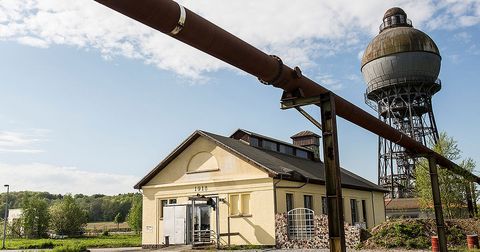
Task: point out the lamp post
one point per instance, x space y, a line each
5 219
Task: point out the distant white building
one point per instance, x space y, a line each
14 214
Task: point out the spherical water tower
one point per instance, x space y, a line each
401 66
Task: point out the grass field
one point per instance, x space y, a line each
105 225
111 241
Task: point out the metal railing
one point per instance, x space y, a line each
300 223
380 82
392 22
203 237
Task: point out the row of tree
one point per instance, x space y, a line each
98 206
68 215
453 188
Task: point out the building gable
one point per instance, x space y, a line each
202 160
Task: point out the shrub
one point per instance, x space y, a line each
42 245
70 248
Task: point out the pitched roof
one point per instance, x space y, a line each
276 164
304 134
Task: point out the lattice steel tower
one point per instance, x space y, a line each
400 66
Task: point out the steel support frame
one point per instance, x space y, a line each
333 183
437 203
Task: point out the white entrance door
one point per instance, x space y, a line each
174 222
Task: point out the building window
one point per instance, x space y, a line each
234 209
308 201
353 208
269 145
324 205
302 153
245 204
163 203
289 200
254 141
286 149
239 204
364 210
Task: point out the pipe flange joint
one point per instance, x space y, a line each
277 76
181 21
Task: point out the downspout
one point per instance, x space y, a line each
373 208
287 187
275 194
274 207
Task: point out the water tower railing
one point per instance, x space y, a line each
380 82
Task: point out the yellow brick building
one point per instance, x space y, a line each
230 188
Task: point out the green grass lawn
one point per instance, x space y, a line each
111 241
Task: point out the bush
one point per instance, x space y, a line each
105 233
70 248
43 245
416 233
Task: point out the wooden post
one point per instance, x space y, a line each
474 197
437 203
468 194
333 184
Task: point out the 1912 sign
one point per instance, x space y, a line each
201 188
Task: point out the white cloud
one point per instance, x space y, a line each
299 31
31 41
329 81
62 179
454 14
22 141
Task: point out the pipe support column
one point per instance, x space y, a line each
333 183
437 203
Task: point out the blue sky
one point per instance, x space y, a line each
90 101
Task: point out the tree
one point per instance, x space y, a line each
15 228
118 219
134 217
67 217
452 186
35 217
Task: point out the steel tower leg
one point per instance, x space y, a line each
437 203
333 183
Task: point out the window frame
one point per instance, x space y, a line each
162 205
240 206
364 210
310 198
324 205
301 153
167 202
354 211
292 200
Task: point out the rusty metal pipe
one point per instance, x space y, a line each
166 16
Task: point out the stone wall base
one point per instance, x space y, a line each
320 238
